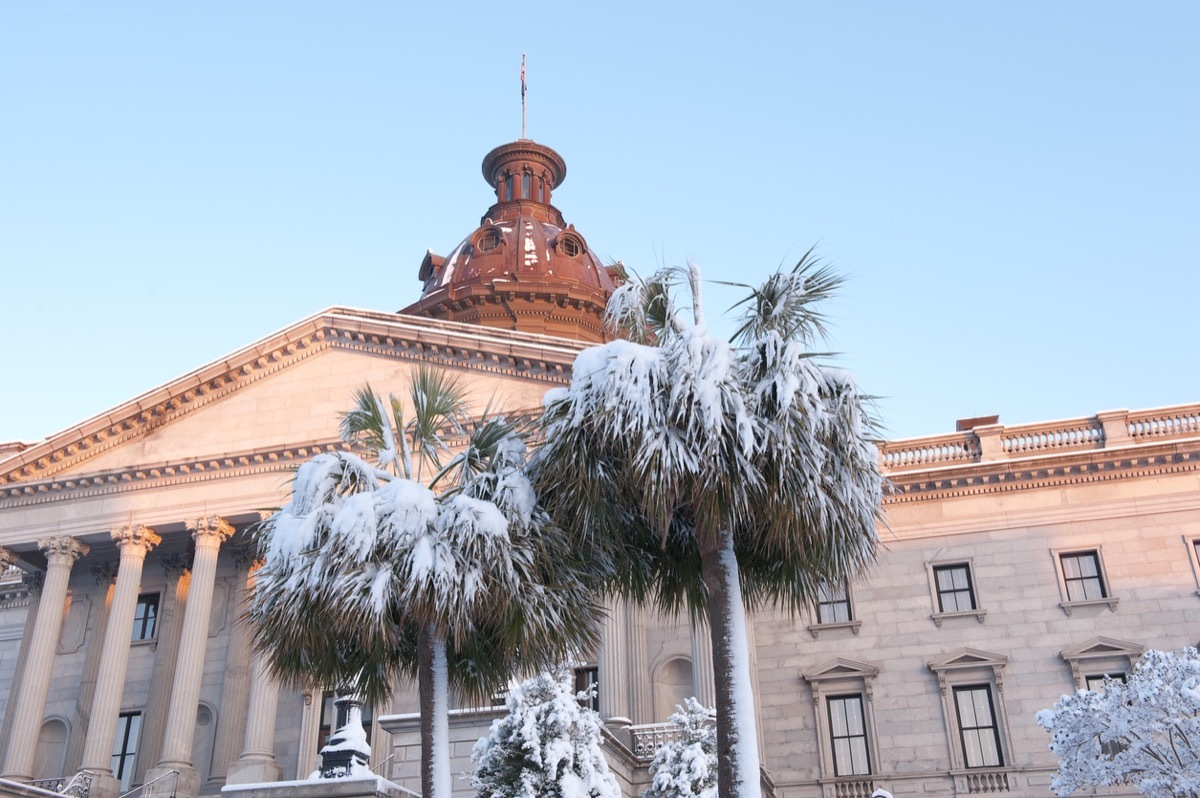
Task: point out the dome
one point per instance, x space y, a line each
523 268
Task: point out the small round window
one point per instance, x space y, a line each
570 247
489 241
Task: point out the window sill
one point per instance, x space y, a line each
149 642
817 628
1110 602
938 617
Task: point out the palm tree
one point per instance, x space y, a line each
715 475
369 573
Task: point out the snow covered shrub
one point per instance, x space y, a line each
547 746
1145 732
687 767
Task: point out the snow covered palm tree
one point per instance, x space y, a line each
369 573
709 474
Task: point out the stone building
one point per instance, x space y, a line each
1019 563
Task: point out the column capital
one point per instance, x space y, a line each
246 556
7 557
105 573
135 537
174 565
63 550
211 531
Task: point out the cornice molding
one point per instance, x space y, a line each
522 356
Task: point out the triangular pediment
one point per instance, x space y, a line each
840 668
968 658
256 403
1099 647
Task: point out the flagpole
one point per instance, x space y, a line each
522 95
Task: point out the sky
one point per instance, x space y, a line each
1011 189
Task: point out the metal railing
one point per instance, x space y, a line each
170 774
78 786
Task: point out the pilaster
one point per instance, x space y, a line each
703 685
30 704
614 665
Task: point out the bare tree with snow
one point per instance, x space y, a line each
370 573
712 475
547 746
687 767
1144 732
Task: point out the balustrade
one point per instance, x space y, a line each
647 738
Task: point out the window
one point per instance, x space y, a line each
1091 661
541 190
588 679
1081 574
977 725
834 609
570 247
1082 580
145 617
841 690
833 603
125 745
954 591
1193 547
508 188
971 683
489 241
1096 681
526 180
848 736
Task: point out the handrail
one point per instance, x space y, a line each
160 777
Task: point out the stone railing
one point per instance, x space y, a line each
647 737
998 442
984 781
852 787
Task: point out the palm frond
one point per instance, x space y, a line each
787 303
439 404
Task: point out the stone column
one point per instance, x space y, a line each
703 686
30 704
614 665
134 542
257 763
166 650
106 577
641 706
231 723
33 581
209 534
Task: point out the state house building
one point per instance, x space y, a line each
1019 562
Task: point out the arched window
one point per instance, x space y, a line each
508 188
526 188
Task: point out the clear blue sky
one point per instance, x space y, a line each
1012 188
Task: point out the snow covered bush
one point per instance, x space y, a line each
687 767
547 746
1144 733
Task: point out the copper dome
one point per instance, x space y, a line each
523 268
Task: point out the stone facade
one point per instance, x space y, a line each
1017 563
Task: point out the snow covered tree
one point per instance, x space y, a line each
369 573
713 475
547 746
1144 732
687 767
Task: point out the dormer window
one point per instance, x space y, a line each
488 241
569 245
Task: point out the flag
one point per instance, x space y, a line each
522 76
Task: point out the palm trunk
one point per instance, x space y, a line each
432 685
737 734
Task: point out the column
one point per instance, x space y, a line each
257 763
209 534
614 666
133 542
106 577
30 704
166 650
642 709
703 686
231 722
33 580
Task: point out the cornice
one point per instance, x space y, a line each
1045 471
522 356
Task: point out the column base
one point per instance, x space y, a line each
161 782
254 770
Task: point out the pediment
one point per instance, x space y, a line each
840 668
257 402
968 658
1100 647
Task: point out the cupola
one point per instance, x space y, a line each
524 268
